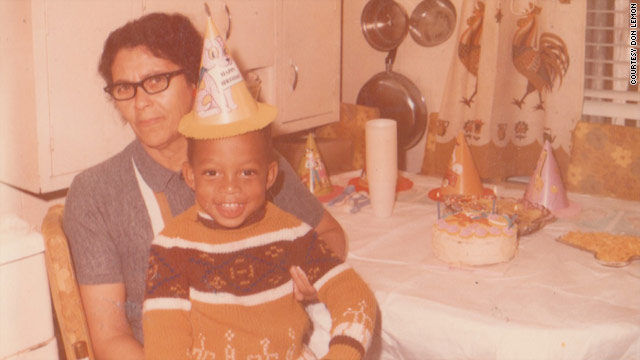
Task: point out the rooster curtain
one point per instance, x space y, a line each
516 80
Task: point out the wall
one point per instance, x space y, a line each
28 206
427 67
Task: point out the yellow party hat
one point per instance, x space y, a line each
312 170
461 177
223 104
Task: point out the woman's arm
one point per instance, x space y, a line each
292 196
111 335
330 231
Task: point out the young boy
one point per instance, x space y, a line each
218 285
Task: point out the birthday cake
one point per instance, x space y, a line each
529 217
474 238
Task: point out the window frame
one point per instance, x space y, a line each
609 96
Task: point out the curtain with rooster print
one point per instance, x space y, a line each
516 80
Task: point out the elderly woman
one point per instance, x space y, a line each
114 209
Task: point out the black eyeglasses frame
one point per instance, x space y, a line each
168 75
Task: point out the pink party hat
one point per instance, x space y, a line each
545 185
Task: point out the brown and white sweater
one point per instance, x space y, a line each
226 294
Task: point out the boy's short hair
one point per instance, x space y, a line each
265 132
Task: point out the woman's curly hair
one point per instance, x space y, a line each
168 36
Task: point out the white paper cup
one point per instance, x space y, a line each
381 136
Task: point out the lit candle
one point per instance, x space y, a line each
495 195
438 209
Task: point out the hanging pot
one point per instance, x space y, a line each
384 23
432 22
397 98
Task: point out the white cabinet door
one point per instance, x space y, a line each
56 120
308 64
248 24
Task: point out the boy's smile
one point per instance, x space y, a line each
230 176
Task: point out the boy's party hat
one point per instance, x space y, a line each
461 177
223 105
312 170
545 184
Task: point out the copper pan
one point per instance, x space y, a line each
399 99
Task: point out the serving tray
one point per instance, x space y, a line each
615 250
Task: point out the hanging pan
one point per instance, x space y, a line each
432 22
397 98
384 24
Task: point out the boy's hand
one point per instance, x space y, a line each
302 288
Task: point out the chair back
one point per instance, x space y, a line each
605 160
65 293
351 126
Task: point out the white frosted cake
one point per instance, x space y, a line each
474 238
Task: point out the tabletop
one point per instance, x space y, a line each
551 301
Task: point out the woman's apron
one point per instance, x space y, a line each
153 209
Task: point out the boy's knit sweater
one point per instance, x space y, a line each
215 293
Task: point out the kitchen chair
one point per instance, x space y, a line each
341 144
351 127
605 160
64 288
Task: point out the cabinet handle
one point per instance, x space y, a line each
226 9
295 76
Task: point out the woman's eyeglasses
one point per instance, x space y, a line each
151 85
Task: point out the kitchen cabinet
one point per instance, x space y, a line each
308 64
55 119
247 25
292 45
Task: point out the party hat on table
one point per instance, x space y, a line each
223 104
461 177
545 184
312 170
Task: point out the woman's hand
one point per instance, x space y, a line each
302 288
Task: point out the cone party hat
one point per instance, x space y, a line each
223 104
312 171
461 177
545 185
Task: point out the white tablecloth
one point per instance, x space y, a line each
551 301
